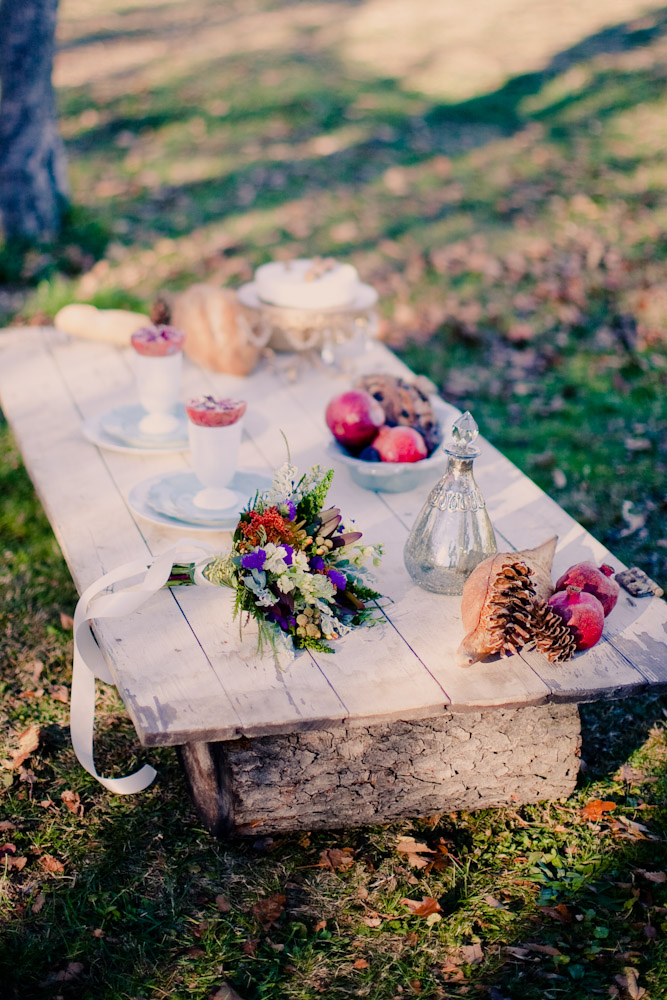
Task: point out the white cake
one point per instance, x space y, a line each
307 284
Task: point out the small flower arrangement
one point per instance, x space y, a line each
295 568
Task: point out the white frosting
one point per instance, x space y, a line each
307 284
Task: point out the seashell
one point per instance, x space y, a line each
498 597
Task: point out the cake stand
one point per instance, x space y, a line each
318 331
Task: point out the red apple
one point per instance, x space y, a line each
595 580
400 444
354 418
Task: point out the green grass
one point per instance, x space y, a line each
518 239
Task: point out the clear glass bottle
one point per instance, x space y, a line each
452 533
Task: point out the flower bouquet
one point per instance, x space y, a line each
295 567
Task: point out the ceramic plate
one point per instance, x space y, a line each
167 499
122 425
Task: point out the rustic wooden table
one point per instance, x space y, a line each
389 725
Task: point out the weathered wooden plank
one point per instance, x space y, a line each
393 683
429 623
256 694
97 534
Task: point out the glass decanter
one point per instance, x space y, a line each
452 532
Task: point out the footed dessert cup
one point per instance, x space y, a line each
214 430
158 359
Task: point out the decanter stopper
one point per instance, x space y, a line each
452 533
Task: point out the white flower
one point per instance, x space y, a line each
285 583
300 561
275 559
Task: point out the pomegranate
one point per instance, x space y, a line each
592 580
354 418
581 612
400 444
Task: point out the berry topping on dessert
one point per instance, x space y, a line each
209 411
157 341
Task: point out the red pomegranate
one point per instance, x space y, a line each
582 612
592 580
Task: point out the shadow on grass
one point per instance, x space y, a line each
135 913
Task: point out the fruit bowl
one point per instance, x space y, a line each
397 477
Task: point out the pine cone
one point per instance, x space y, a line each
509 608
405 404
552 636
160 313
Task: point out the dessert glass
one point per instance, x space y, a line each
214 430
158 358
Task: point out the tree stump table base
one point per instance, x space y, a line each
374 774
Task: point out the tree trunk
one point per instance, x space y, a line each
33 178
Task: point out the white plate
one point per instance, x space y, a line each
122 426
93 432
167 500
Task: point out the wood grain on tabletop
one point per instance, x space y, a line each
179 674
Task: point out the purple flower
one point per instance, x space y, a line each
316 563
338 579
282 617
254 560
290 508
289 552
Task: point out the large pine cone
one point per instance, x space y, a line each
403 403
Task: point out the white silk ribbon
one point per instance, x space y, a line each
89 662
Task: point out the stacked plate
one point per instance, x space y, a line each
118 430
169 500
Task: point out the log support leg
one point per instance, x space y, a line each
354 776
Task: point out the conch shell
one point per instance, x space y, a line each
498 598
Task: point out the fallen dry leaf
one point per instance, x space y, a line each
223 904
320 926
59 693
595 810
38 902
72 801
559 913
628 982
412 850
423 907
472 954
337 859
6 825
51 864
372 919
66 621
28 742
71 971
360 963
657 877
269 909
494 903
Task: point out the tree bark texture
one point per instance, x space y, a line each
33 175
359 776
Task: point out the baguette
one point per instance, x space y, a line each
112 326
